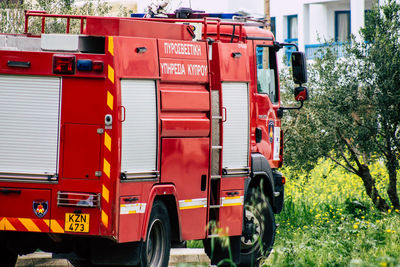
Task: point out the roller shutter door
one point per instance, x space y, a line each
29 124
235 99
139 130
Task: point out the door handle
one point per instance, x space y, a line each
124 111
224 114
6 191
203 182
131 199
232 194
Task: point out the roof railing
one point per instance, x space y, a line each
207 22
44 15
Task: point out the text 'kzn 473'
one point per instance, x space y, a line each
138 134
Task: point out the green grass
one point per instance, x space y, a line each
329 221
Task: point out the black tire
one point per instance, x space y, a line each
8 257
156 248
259 229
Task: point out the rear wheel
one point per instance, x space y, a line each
156 248
259 228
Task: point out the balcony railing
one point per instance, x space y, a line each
289 50
317 50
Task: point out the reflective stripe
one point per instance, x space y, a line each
6 225
192 203
105 193
231 201
29 225
55 227
111 45
104 218
110 73
106 168
110 100
132 208
107 141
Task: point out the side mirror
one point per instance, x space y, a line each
299 67
301 93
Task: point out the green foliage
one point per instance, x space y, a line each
13 18
330 223
354 114
380 74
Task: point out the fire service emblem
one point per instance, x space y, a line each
271 131
40 208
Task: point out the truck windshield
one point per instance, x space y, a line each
266 72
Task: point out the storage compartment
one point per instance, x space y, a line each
29 126
231 211
131 213
82 144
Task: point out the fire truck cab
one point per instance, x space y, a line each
133 135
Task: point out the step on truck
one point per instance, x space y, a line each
133 135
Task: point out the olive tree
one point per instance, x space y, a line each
354 113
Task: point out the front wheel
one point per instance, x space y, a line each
156 248
259 229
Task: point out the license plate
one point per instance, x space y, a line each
75 222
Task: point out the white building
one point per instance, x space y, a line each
254 7
312 22
307 23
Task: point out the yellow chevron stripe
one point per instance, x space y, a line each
111 45
56 227
104 218
110 100
106 168
6 225
107 141
29 224
106 193
110 73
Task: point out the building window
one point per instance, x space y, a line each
273 26
342 26
292 23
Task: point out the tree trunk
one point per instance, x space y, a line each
391 166
370 187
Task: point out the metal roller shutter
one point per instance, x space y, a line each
235 99
29 124
139 130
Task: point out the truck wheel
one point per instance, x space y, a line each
259 228
156 248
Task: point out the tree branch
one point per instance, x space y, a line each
343 166
346 160
351 149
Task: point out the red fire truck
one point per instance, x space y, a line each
134 135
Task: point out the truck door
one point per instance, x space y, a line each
266 101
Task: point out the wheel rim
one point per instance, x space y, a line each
155 246
253 231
